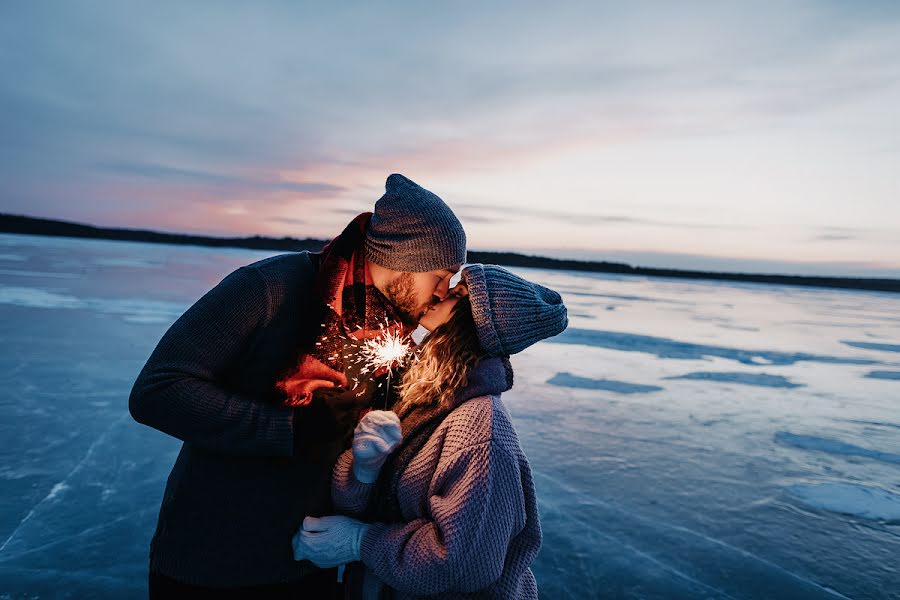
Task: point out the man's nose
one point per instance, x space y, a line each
442 289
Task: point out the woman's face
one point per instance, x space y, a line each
440 313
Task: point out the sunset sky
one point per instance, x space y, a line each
749 136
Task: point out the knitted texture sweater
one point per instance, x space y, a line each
470 525
241 484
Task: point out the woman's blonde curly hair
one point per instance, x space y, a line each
443 361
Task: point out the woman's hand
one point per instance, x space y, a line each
375 437
329 541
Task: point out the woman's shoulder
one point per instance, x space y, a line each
480 420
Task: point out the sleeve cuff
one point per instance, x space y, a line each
368 547
364 477
348 493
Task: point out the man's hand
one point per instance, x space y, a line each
376 436
329 541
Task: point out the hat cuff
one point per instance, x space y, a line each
396 256
481 310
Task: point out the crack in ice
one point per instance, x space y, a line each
62 484
592 500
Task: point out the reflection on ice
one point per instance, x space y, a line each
891 375
758 379
586 383
669 348
811 442
850 499
874 346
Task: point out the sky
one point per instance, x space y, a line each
750 136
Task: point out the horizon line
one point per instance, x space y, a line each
578 264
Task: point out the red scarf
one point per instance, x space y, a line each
354 311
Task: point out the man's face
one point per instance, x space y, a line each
414 293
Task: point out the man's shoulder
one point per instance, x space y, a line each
286 261
288 267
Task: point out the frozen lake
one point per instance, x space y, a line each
689 439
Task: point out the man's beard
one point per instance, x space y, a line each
401 293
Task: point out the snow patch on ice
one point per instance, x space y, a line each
737 327
130 262
760 360
51 274
133 310
850 499
57 490
36 298
613 296
876 423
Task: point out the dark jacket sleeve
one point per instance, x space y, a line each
180 390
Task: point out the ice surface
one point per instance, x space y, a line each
671 457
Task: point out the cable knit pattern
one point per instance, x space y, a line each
471 525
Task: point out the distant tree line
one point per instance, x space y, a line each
37 226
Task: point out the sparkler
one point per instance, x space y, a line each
385 352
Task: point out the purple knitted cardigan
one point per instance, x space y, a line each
469 525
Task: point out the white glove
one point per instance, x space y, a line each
374 438
329 541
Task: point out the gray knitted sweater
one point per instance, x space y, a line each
470 522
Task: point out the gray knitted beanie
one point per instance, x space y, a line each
511 313
413 230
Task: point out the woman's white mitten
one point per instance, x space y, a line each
375 437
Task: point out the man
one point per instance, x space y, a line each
262 380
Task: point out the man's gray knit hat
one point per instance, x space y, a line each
413 230
511 313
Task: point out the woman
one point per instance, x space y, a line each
440 494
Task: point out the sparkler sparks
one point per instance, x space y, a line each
385 352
